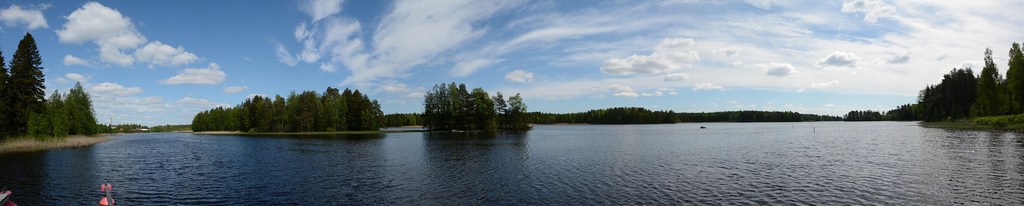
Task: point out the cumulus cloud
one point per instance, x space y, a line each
77 77
731 102
14 15
779 69
157 53
115 89
707 86
72 60
623 91
115 34
211 75
825 84
899 59
668 56
395 88
838 59
318 9
872 9
599 96
519 76
235 89
729 52
677 77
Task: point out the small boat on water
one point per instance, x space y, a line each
703 127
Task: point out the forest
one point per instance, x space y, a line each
452 107
962 95
638 115
23 108
308 111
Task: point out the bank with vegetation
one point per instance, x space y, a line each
965 101
309 111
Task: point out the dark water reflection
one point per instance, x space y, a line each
729 163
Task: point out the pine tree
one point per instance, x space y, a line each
987 102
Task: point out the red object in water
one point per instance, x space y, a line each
5 198
104 202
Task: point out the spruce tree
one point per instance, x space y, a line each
25 85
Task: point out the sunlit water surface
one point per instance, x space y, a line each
728 163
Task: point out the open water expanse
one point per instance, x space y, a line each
729 163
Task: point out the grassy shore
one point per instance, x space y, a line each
25 144
1004 122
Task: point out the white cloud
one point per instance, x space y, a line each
464 69
623 91
779 69
77 78
211 75
825 84
235 89
646 94
658 93
519 76
838 59
72 60
677 77
115 34
668 56
395 88
737 63
872 9
104 26
201 103
61 80
707 86
415 95
731 102
626 94
250 96
672 93
762 4
319 9
149 100
115 89
157 53
284 56
729 52
15 15
899 59
599 96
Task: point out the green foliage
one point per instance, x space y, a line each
308 111
990 95
23 88
1015 80
64 115
453 107
398 120
950 99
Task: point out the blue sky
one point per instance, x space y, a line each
160 62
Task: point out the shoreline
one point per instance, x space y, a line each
28 144
304 133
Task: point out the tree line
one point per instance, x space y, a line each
23 106
960 94
308 111
639 115
452 107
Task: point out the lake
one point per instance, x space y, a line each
728 163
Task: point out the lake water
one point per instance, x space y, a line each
729 163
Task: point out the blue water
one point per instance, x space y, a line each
728 163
